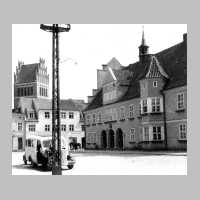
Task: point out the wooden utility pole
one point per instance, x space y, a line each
56 133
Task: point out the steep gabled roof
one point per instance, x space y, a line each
155 69
27 73
170 63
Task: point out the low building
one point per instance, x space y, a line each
143 105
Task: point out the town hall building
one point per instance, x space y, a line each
141 106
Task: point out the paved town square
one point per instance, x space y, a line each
113 163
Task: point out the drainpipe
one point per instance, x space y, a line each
164 119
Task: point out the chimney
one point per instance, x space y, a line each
94 92
90 98
185 37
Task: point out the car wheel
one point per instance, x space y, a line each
33 164
70 166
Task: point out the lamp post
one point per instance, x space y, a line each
56 134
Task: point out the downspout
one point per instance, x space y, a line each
164 119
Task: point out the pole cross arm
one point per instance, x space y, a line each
51 28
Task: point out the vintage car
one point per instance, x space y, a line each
38 151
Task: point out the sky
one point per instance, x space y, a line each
86 47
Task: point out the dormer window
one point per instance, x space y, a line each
31 115
155 83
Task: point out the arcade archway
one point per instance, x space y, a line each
111 138
119 138
103 139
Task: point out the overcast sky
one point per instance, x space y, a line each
90 46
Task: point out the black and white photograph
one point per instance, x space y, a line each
99 99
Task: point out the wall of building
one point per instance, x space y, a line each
16 134
175 118
42 121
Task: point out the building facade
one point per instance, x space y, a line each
143 105
32 113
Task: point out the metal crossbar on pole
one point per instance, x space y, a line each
56 134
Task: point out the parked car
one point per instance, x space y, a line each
38 151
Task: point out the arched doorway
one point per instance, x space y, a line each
103 139
119 138
111 138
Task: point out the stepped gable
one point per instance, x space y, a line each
173 67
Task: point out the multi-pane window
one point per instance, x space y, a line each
31 127
47 115
71 115
71 127
131 110
31 115
144 106
157 133
146 133
99 117
155 104
63 115
88 119
182 132
155 83
132 134
122 113
63 127
180 101
93 118
20 126
47 127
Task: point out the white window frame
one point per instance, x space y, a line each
71 115
182 131
47 127
131 111
122 113
88 116
63 115
31 127
157 133
47 115
144 104
93 118
31 115
63 127
132 135
99 117
19 126
156 104
71 127
180 102
155 83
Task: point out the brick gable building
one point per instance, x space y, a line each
143 105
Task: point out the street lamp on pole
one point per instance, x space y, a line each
56 134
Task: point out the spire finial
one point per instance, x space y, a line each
143 39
